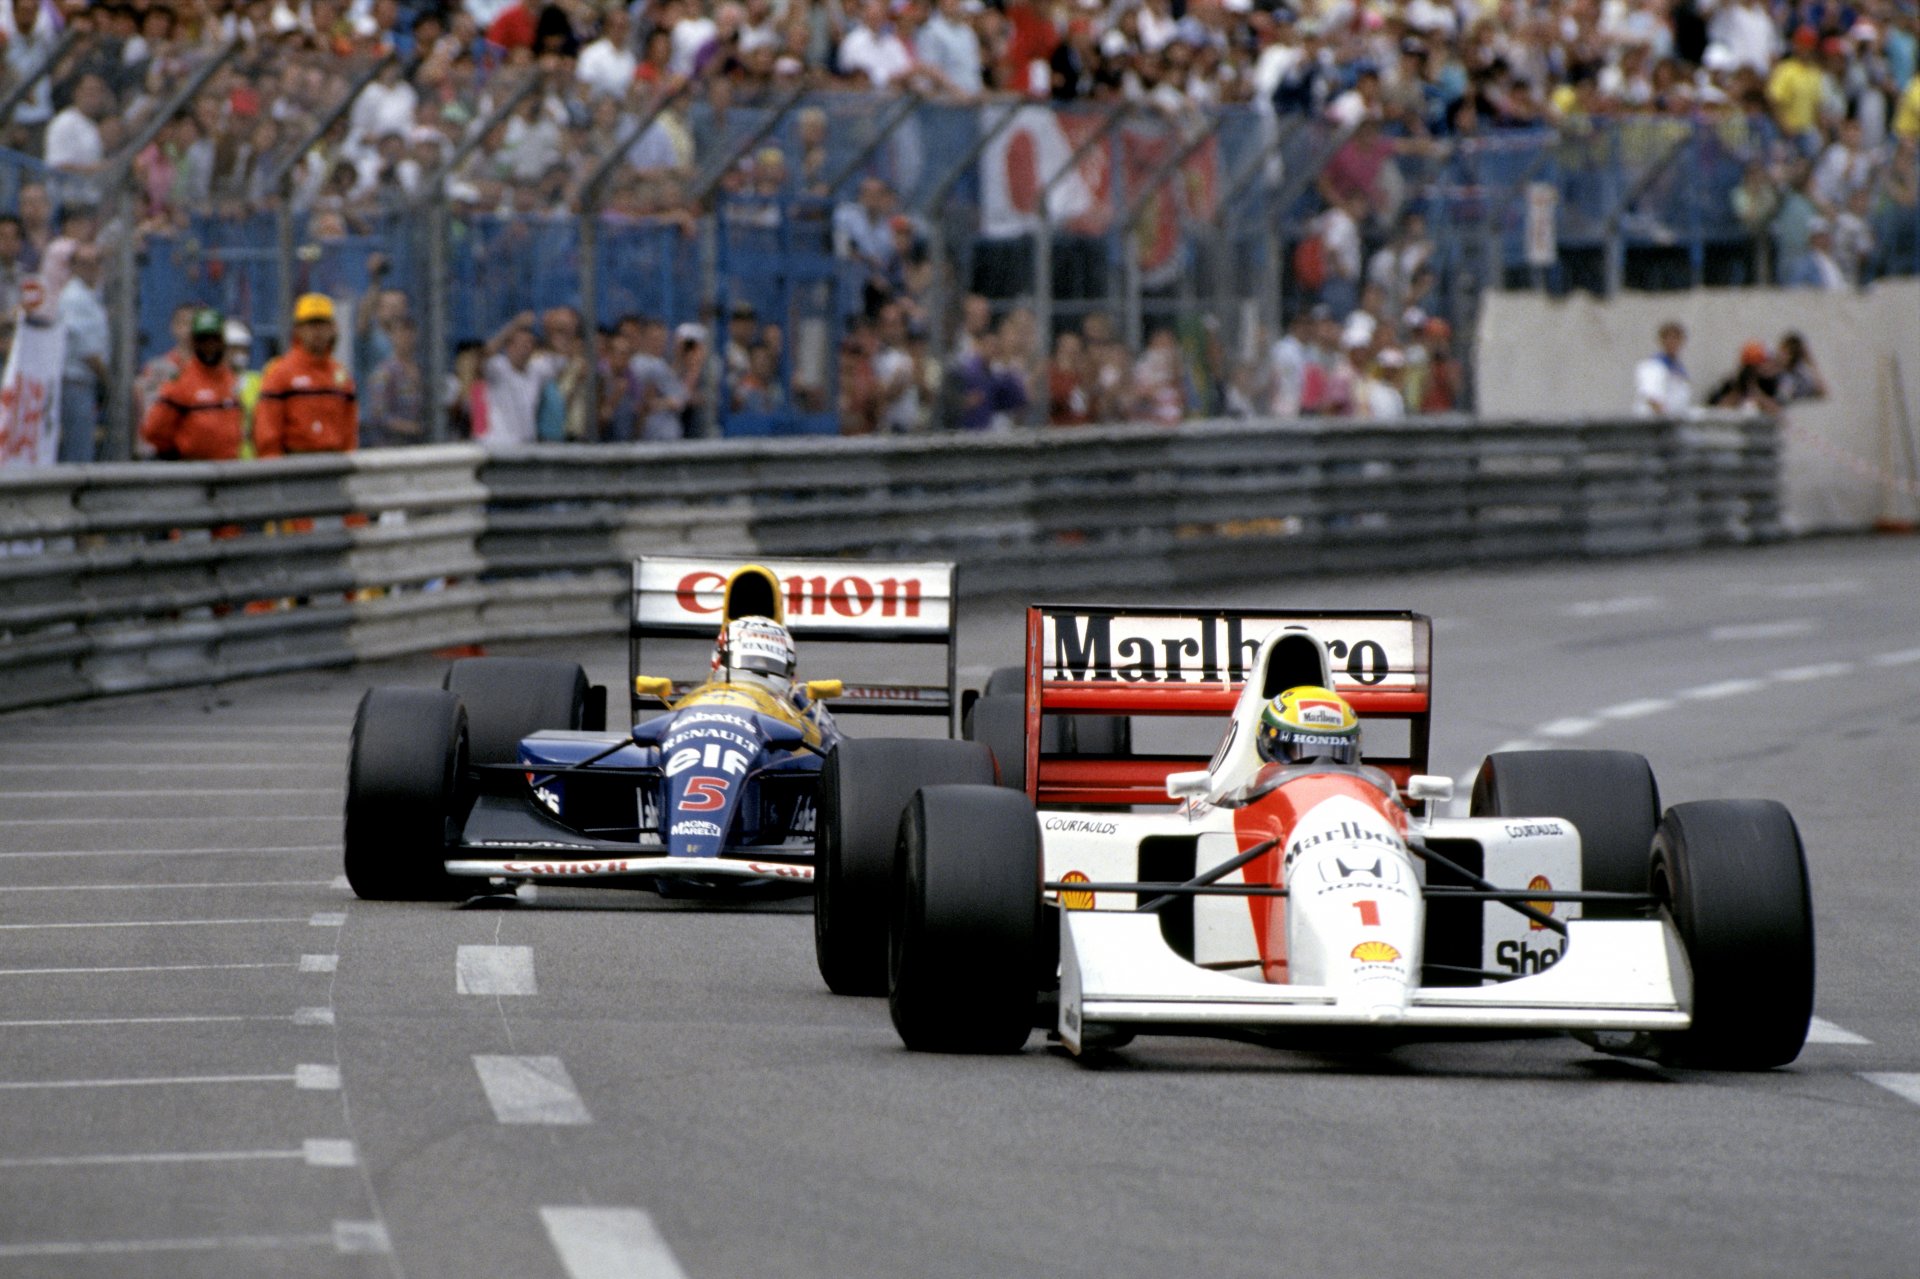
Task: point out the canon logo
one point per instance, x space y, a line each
849 596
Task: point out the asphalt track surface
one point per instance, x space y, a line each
215 1062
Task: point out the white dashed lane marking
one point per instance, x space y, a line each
1819 670
1823 1031
300 1017
1903 1085
138 888
345 1237
1723 688
160 923
312 1077
1573 726
315 1152
198 793
1635 709
1762 630
178 852
142 968
1905 657
494 970
1615 607
319 963
609 1243
530 1090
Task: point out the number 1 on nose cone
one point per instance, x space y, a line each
1369 913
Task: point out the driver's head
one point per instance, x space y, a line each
755 650
1309 722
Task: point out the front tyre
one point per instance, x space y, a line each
966 916
1610 797
864 784
508 698
406 772
1733 875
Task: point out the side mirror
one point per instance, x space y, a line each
819 690
1193 785
1429 787
654 686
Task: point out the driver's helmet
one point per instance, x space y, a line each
1309 722
755 650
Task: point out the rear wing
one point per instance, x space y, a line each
1133 660
848 601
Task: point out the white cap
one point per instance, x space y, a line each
691 332
238 334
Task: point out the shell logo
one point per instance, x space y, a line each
1074 900
1539 883
1375 952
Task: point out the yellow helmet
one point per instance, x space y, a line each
1309 722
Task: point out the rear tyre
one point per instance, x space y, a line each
508 698
863 786
1609 796
406 772
966 914
1733 875
998 721
1059 734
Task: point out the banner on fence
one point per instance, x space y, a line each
1020 163
30 395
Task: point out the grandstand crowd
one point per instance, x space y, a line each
1828 87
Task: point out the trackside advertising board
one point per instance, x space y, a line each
847 599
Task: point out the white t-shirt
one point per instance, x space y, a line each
513 397
690 35
1661 389
73 139
607 68
881 58
380 110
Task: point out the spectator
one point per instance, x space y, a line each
13 248
1799 375
307 400
374 316
79 223
516 370
949 47
1436 384
1287 371
873 49
1069 393
896 380
607 65
84 376
1819 267
860 396
563 400
1377 394
1160 387
170 363
30 33
197 416
75 153
1661 387
35 208
990 393
659 397
1752 386
396 400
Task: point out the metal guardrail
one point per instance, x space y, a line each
120 578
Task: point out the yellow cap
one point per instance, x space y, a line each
312 306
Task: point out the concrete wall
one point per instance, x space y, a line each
1848 463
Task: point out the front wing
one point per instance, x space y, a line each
1116 970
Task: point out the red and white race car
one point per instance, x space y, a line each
1273 897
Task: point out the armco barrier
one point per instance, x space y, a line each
126 577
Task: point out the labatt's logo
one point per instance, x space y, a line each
1085 647
852 595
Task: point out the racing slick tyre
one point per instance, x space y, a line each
965 928
509 697
998 721
406 769
1733 876
1609 796
863 786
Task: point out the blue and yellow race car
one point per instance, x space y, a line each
740 783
